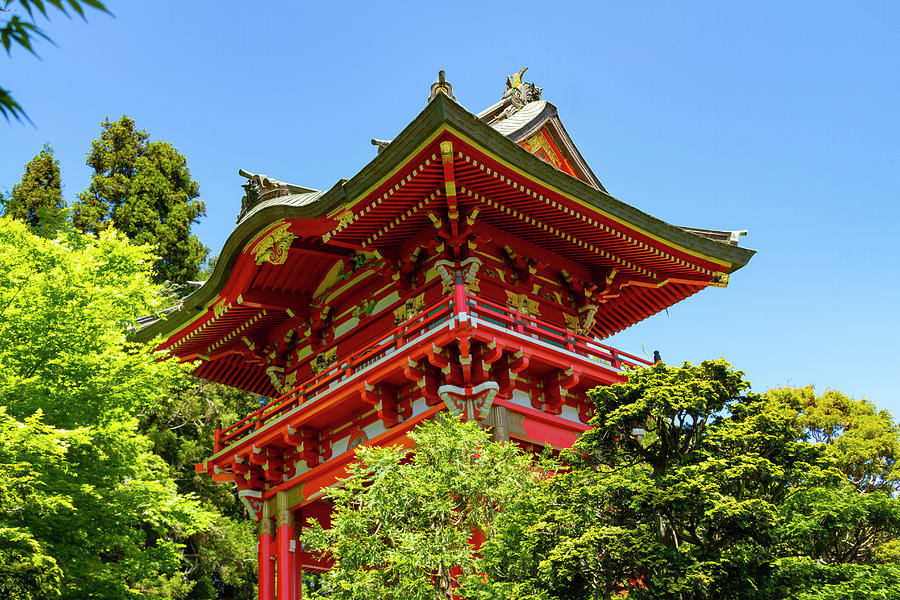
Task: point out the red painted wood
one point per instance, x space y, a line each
532 242
284 560
266 566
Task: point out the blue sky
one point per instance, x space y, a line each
780 118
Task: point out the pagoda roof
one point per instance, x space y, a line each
516 127
444 111
322 211
528 120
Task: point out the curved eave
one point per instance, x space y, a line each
441 114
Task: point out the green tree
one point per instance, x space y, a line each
83 499
143 189
404 521
863 441
689 487
21 29
27 451
220 562
37 199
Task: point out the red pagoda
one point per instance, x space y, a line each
474 265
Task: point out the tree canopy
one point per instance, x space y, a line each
404 522
690 487
144 190
86 508
687 487
37 199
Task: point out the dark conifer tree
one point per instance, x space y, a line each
144 189
37 199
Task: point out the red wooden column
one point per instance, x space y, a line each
284 550
264 555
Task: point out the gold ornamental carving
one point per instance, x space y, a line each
220 308
465 271
409 309
584 321
523 304
322 361
274 246
344 219
719 280
538 143
289 383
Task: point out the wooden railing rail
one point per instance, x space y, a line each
428 318
436 314
560 337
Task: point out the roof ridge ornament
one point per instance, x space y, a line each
381 144
519 93
441 86
261 187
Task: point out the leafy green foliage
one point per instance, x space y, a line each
27 450
220 562
18 31
37 199
861 440
688 487
144 190
403 521
64 310
85 505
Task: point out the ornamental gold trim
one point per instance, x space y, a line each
220 307
584 321
523 304
344 219
274 246
322 361
409 309
719 280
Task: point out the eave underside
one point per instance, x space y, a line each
638 273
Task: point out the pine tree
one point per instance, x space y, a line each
37 199
144 189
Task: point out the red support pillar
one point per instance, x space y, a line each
284 548
264 555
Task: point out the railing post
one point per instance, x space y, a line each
459 296
217 439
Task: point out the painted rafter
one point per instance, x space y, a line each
531 189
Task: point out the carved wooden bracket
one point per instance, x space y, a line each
253 502
472 402
524 267
463 272
582 323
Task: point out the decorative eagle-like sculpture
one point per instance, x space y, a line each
519 92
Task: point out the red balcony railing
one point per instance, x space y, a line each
487 312
540 330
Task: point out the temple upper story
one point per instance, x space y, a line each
506 187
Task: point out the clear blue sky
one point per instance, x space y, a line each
782 118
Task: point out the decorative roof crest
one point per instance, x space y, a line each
261 187
441 86
519 93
